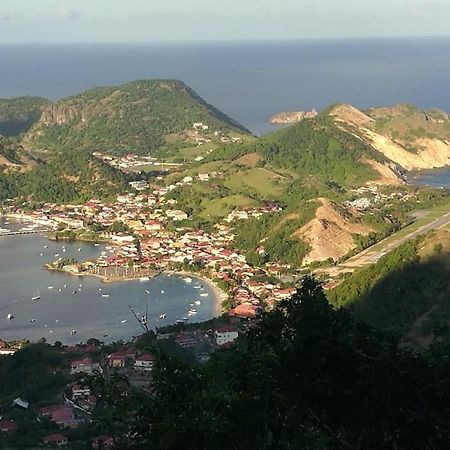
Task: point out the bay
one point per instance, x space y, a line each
59 311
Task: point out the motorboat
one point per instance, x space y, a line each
105 295
10 316
37 296
204 294
124 321
197 302
163 316
73 332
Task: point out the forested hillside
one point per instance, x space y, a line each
406 292
306 377
139 117
18 114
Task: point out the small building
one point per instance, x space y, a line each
85 365
226 334
187 339
80 391
144 362
119 359
55 440
8 426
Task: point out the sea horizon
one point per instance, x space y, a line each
248 80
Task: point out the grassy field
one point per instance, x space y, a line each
264 182
221 207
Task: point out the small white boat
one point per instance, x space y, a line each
59 290
100 289
50 287
10 316
96 245
37 296
162 316
147 291
197 286
65 285
79 249
56 255
45 246
162 291
204 294
32 320
124 321
57 321
144 279
187 279
197 302
105 295
73 332
41 254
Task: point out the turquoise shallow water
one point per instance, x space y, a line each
59 311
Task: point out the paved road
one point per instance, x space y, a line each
371 256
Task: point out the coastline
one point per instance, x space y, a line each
219 294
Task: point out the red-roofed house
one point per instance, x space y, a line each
226 334
85 365
57 440
144 362
119 359
8 426
60 414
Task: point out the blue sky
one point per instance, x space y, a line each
175 20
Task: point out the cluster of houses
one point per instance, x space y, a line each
132 162
369 198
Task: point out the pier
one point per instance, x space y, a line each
16 233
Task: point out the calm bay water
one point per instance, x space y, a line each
59 311
248 81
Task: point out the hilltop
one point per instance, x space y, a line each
140 117
408 136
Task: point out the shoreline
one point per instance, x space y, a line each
219 294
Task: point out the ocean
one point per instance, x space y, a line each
250 81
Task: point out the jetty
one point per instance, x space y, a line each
15 233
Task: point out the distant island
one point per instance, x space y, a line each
285 118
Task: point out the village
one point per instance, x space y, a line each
150 235
67 415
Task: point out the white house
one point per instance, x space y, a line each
144 362
226 335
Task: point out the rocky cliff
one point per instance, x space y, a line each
284 118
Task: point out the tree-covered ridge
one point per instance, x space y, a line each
18 114
64 178
306 376
405 292
319 148
135 117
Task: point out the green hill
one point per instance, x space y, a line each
140 117
18 114
406 292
